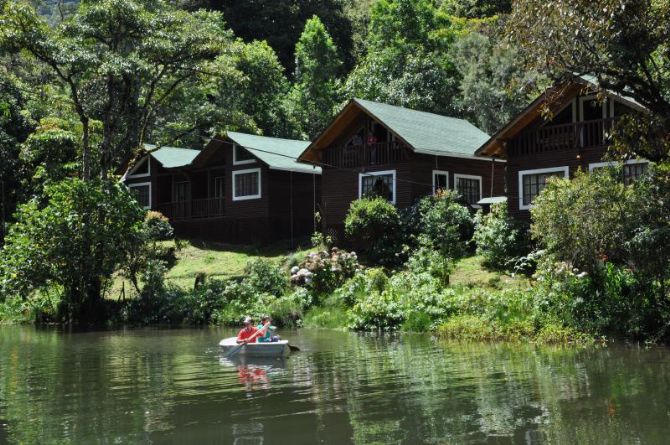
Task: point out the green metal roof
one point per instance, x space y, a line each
171 157
277 153
428 133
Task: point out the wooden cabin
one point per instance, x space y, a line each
576 137
241 188
401 154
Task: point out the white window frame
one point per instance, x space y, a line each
139 164
142 184
379 173
440 172
604 106
563 169
595 165
248 197
245 161
457 176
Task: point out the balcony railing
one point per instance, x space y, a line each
586 134
353 156
195 208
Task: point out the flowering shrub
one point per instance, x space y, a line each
325 271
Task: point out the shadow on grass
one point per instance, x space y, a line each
274 249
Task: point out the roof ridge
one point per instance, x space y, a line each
358 99
267 137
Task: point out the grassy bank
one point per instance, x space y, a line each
476 304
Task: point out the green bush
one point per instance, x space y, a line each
266 277
498 238
441 222
158 227
373 226
378 311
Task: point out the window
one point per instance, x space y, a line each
182 191
469 187
220 187
532 182
377 184
591 109
142 192
242 156
631 171
246 184
440 180
141 169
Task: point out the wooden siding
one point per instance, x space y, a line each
262 220
414 178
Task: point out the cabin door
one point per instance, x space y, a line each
219 194
182 198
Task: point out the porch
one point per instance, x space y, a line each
365 155
194 208
578 135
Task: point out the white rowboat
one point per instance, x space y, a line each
269 349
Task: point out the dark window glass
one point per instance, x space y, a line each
142 194
534 184
562 117
440 181
468 188
219 187
242 155
632 172
592 110
621 109
247 184
142 168
378 185
182 191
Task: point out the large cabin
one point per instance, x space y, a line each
241 188
576 136
401 154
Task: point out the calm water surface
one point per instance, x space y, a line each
173 386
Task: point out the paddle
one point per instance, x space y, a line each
294 348
237 349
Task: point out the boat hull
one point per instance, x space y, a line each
270 349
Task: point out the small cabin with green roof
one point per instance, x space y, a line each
401 154
240 188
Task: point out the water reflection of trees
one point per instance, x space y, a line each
413 390
349 388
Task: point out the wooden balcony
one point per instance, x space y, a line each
355 156
195 208
564 137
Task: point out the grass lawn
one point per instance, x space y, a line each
469 272
223 261
214 260
227 261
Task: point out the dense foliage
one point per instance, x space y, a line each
70 246
373 227
615 237
498 237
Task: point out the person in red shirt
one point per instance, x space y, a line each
248 331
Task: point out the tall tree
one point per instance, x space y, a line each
120 62
623 44
407 61
280 23
494 84
315 92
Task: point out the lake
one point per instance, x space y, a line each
174 386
